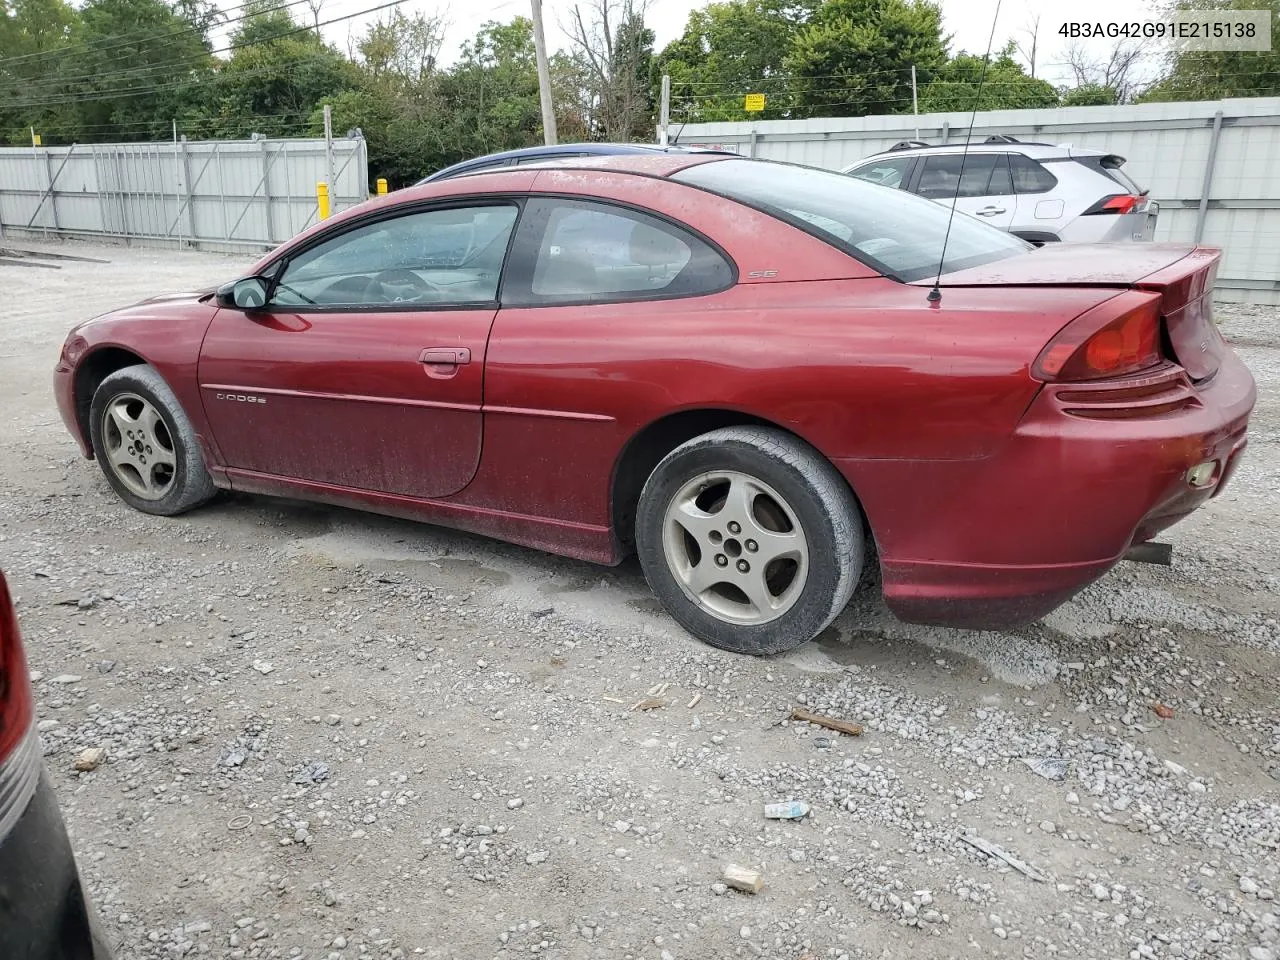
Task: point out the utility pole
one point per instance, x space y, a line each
664 110
328 145
544 77
915 101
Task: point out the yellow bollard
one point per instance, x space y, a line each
322 199
382 187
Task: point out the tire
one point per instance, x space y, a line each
145 444
703 502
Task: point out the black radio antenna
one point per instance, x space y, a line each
935 295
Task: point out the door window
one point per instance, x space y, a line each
887 172
600 252
984 175
426 258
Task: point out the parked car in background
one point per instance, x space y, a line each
1037 191
736 369
43 911
561 151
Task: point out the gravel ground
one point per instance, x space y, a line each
330 736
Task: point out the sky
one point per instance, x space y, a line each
968 21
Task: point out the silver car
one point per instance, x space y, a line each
1037 191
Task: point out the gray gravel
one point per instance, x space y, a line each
320 734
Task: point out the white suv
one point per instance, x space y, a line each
1040 192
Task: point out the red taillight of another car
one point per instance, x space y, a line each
1117 203
1119 337
19 752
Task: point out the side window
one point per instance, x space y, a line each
1031 177
985 175
430 257
600 252
887 172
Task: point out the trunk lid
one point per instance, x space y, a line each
1183 275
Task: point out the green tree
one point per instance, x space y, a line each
131 65
728 50
35 37
614 51
854 57
1212 75
278 73
1090 95
492 92
1007 86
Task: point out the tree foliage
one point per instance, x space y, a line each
111 70
1212 75
1006 86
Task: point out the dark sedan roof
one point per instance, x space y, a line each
508 158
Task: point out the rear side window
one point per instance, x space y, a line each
1109 166
888 172
983 175
575 251
1029 176
893 232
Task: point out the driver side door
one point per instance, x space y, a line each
365 368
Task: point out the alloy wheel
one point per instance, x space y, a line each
139 446
736 547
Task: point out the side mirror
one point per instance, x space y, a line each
248 293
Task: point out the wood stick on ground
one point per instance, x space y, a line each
840 726
999 853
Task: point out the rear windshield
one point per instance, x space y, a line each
1109 166
898 234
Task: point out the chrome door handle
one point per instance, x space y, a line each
990 211
448 356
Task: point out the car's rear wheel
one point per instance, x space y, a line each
750 538
145 444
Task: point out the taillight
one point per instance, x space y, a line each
19 755
1118 337
1117 203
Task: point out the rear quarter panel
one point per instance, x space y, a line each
862 369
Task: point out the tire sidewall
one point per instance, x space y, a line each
180 496
812 610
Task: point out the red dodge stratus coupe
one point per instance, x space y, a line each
737 369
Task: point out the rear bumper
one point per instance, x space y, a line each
43 911
1002 541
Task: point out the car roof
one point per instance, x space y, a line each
1038 151
556 151
645 164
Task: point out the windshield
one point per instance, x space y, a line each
896 233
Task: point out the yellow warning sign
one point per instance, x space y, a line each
754 102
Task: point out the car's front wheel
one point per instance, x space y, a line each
750 538
145 444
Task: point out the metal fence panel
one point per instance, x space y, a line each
1232 202
243 195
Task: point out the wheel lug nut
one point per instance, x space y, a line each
735 527
743 566
721 560
752 546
